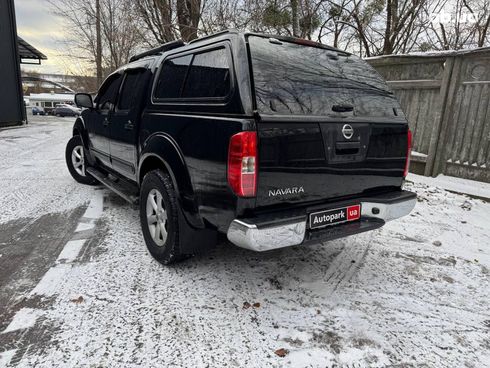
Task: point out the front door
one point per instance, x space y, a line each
99 119
125 122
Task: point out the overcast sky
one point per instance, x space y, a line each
43 30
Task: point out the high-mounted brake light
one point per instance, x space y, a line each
409 149
242 164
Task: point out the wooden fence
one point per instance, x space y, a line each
446 97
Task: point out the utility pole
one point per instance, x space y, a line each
98 52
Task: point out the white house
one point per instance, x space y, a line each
49 100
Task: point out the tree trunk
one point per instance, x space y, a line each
483 33
188 15
295 17
387 46
98 51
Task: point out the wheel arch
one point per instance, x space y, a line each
79 129
161 152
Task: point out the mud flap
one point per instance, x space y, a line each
193 240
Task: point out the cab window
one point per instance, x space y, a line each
108 92
131 90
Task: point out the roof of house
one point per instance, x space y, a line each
27 51
51 97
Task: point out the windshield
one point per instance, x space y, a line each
295 79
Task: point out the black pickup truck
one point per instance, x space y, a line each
274 141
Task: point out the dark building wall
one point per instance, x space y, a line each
11 100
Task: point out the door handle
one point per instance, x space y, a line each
129 125
342 108
347 148
106 122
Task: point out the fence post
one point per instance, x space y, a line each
436 153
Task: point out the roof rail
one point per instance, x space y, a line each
213 35
165 47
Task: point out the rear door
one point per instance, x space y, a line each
329 126
125 121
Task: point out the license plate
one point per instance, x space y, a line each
335 216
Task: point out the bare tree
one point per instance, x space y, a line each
381 27
218 15
334 21
167 20
453 25
102 33
105 33
188 16
157 17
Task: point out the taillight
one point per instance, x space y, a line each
242 164
409 148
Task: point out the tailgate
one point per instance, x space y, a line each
305 161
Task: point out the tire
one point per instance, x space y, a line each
158 185
77 172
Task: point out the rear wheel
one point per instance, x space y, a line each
159 217
75 160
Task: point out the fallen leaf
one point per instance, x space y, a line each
256 305
246 305
78 300
281 352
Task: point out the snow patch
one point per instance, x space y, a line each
23 319
83 226
418 154
463 186
6 357
315 357
71 251
50 282
96 206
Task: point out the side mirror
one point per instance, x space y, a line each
84 100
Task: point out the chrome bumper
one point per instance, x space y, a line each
249 236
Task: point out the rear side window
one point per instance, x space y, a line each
209 76
205 75
130 91
172 77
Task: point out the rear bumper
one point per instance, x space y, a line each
263 233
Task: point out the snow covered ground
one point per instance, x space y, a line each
87 293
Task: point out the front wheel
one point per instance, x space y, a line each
76 162
159 217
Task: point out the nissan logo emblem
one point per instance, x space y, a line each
347 131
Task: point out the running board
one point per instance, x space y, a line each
121 187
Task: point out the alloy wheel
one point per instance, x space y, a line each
78 160
157 217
